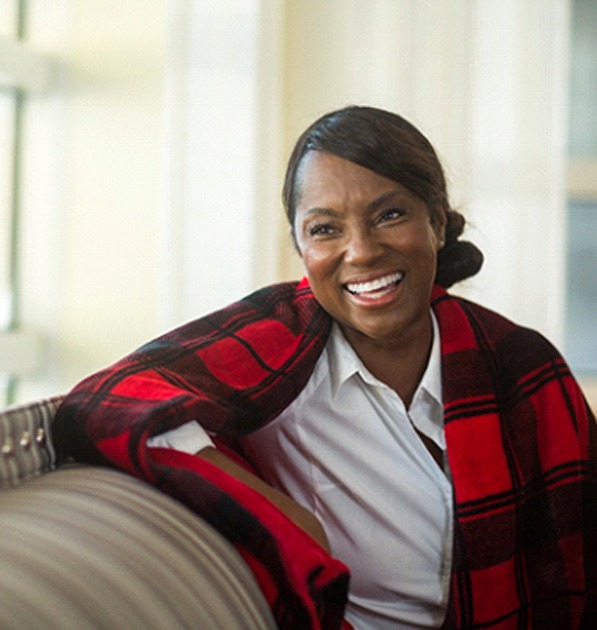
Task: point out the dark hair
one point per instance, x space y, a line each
390 146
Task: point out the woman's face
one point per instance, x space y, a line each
369 249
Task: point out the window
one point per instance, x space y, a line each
8 108
9 114
22 71
581 334
581 337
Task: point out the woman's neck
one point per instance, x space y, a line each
400 365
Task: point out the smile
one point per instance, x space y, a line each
377 286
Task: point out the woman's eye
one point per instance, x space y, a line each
323 229
391 214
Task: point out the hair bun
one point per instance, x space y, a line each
454 225
456 261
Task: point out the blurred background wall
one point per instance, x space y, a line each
145 143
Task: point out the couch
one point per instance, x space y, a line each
86 547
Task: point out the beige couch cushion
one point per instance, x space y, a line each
87 548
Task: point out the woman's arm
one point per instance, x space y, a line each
296 513
192 438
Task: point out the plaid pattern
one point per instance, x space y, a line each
521 442
522 447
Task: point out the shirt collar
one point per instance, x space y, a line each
345 363
432 378
343 360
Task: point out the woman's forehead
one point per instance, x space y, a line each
324 175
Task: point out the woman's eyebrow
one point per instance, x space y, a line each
328 212
371 206
379 201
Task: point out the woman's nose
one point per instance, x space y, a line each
362 249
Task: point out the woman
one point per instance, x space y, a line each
445 455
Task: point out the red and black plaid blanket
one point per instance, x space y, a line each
521 442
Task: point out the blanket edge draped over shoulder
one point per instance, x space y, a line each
521 442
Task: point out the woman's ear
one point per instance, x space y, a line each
439 221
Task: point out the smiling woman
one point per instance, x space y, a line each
433 449
369 247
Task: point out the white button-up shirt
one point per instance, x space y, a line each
347 449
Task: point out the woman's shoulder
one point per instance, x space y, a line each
498 331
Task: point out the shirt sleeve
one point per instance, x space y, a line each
188 438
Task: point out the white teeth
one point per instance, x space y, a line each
374 285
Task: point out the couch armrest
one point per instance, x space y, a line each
26 449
